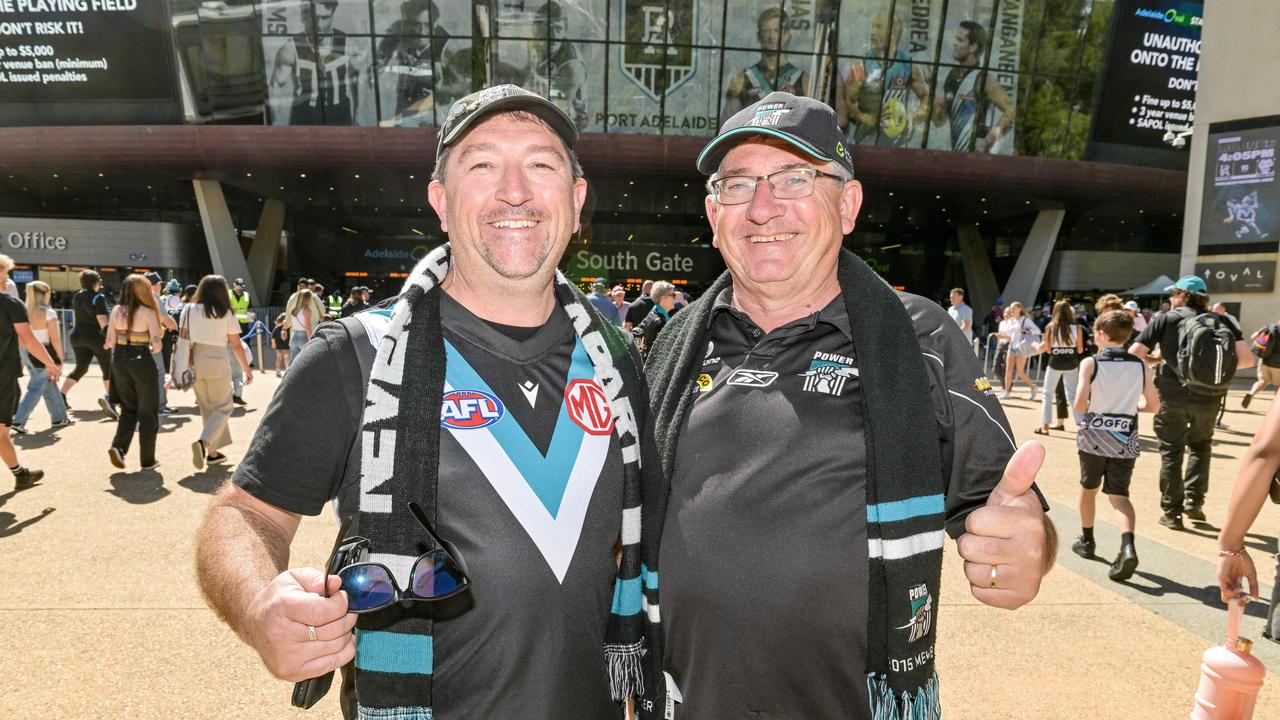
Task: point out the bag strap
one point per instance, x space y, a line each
354 361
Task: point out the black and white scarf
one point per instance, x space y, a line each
904 485
400 454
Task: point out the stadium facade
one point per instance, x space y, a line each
1014 147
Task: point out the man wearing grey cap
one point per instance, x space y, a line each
801 560
492 403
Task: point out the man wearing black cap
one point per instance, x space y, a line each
493 394
861 429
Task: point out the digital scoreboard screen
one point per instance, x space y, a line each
1241 206
77 51
1149 86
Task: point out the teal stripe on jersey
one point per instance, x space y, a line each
906 509
392 652
548 476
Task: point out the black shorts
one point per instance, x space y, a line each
1112 474
9 394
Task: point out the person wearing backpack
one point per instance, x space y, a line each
1201 352
1265 344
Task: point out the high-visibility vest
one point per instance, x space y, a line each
335 305
240 305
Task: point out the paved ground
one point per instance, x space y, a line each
107 621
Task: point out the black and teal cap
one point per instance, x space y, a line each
807 124
470 109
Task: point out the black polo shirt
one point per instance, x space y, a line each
764 551
1163 331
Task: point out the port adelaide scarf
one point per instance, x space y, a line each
400 454
904 484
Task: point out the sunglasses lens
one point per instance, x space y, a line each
436 575
368 587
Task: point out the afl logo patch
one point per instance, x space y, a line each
469 410
588 407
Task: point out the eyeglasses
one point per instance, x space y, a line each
436 574
785 185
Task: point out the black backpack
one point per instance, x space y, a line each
1206 359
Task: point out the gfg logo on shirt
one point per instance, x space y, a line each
588 407
469 410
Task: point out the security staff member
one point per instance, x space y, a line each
240 305
801 560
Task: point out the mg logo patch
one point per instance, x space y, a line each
921 613
469 410
657 56
752 378
588 407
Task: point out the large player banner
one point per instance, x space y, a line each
658 81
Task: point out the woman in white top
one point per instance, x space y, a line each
211 325
133 333
1064 344
302 321
1017 331
44 325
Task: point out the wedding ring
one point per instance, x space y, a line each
311 629
993 577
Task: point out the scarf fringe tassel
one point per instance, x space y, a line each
885 706
626 673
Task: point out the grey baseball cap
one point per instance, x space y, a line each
470 109
805 123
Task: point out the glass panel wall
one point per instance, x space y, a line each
993 76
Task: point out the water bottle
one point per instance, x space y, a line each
1230 677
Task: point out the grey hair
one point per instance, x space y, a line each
575 167
832 167
661 289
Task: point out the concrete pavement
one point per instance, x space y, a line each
105 621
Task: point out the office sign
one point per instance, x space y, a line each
1238 277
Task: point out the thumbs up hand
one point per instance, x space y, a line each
1009 544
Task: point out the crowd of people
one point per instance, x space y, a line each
1105 366
558 439
134 338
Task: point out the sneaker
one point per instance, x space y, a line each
18 429
1033 393
1004 395
1125 563
197 454
238 400
1173 522
63 424
1084 548
117 457
25 478
1221 425
1193 513
278 374
104 402
154 464
1248 398
216 459
166 410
